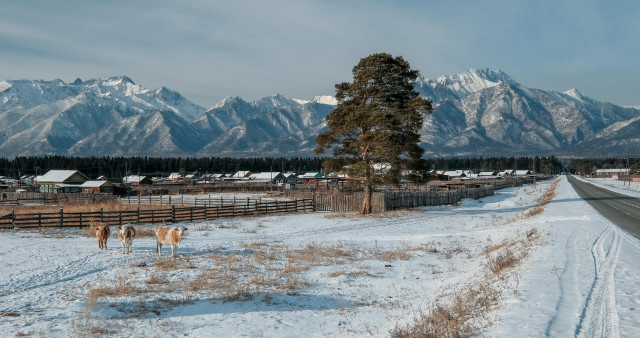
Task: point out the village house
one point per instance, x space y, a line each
522 173
136 180
240 175
97 187
208 178
290 178
175 177
311 177
270 177
508 172
488 175
610 173
61 181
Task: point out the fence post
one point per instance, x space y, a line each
173 213
120 218
101 214
39 220
61 217
138 213
81 219
13 219
153 219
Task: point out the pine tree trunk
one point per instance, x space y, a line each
366 201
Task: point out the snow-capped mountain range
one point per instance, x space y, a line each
480 112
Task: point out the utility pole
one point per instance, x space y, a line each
628 169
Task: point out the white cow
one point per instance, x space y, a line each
126 234
169 236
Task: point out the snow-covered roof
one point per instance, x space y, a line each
266 175
241 174
487 173
58 175
522 172
174 176
612 171
454 173
311 175
94 184
133 179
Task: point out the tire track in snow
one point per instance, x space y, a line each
599 317
567 281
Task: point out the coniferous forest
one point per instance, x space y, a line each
117 167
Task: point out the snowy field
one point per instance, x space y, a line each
327 275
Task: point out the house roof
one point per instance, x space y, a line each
174 176
311 175
59 175
94 184
241 174
266 175
612 170
134 179
454 173
522 172
487 173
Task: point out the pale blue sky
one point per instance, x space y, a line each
211 49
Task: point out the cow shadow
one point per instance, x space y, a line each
265 302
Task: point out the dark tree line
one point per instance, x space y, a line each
590 165
115 167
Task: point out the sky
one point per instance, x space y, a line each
208 50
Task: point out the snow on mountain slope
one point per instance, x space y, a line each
478 112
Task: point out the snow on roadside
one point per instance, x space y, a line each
626 188
46 287
584 282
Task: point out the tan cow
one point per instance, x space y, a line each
126 234
169 236
102 232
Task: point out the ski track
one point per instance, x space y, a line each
599 316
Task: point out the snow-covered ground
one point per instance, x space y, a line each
626 188
321 274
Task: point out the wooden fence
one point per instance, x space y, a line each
27 198
190 201
390 200
174 214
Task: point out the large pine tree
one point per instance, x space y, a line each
374 129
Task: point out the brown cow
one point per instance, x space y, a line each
126 234
169 236
102 232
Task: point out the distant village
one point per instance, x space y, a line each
74 181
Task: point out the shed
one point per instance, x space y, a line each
96 187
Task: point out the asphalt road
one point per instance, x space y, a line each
620 209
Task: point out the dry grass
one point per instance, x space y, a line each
259 269
542 201
396 255
91 327
462 313
122 288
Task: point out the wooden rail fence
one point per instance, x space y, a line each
174 214
190 201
